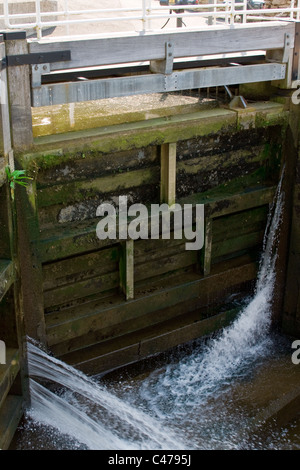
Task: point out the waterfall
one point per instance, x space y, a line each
229 353
143 417
88 412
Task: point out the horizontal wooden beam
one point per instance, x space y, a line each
134 48
71 92
58 244
8 373
7 276
10 416
133 348
64 326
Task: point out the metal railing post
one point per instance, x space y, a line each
244 15
144 10
66 15
6 14
215 11
292 7
38 18
232 11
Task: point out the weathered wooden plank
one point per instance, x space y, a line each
132 348
108 317
30 290
3 177
295 61
165 264
231 202
212 297
184 331
252 220
224 160
151 46
65 326
152 249
168 173
70 292
80 267
8 373
51 151
5 223
206 253
7 276
19 97
239 243
135 324
81 190
126 269
68 241
10 415
128 136
58 243
5 131
72 92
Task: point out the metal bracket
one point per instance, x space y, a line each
37 71
170 82
37 58
238 102
164 66
296 54
281 56
287 48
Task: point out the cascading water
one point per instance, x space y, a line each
90 413
235 347
172 407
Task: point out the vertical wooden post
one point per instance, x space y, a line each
5 134
168 174
126 266
286 310
206 252
14 325
19 94
5 149
30 282
31 288
285 56
296 53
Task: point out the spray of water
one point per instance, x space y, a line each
190 382
87 411
92 415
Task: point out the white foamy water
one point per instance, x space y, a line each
160 412
90 413
194 378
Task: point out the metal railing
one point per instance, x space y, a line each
148 15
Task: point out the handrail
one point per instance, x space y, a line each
227 11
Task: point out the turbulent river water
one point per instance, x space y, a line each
204 395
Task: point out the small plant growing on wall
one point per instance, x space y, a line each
16 177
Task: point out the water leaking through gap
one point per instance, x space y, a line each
188 403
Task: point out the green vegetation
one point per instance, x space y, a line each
16 177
